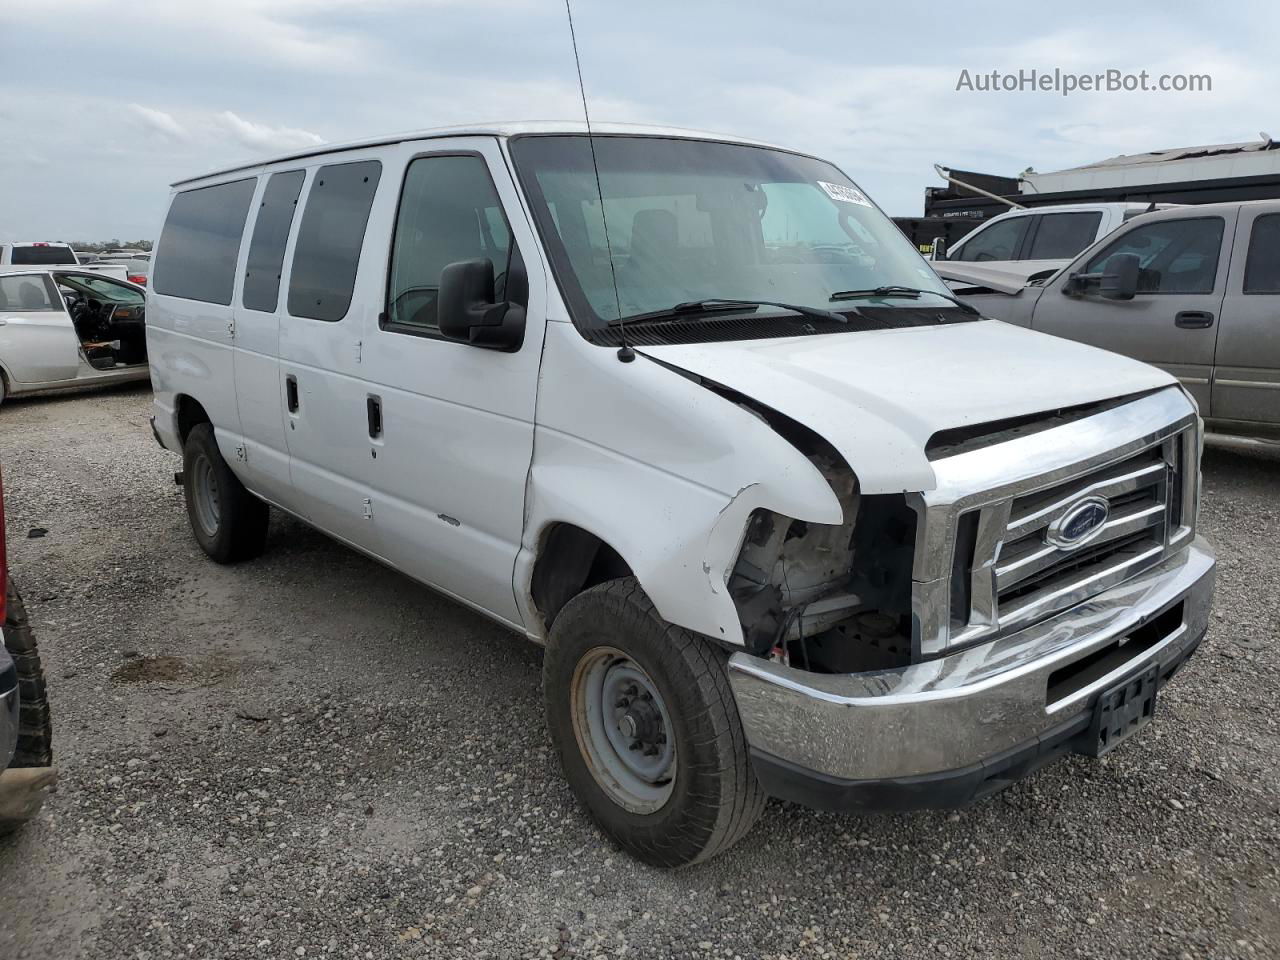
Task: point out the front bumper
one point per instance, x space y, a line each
8 707
946 731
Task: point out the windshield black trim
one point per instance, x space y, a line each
715 329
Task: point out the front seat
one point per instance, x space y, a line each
654 238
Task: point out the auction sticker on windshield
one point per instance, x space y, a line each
838 191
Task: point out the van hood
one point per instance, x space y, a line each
879 396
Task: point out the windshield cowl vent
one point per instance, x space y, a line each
751 327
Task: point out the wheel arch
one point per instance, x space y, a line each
569 560
188 413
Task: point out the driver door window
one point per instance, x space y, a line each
1000 241
1175 256
449 211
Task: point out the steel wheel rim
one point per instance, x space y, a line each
614 705
204 496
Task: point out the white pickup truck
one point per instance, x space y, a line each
22 255
1039 240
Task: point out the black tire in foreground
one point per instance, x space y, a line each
22 794
228 521
646 727
35 731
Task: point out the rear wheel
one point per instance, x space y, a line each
228 521
23 785
646 727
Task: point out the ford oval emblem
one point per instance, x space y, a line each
1079 523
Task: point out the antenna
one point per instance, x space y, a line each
625 353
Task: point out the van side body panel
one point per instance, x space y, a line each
190 349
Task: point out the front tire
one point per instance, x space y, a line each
228 521
646 727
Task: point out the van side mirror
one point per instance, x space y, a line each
938 249
1119 281
466 311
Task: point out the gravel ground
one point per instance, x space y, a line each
310 755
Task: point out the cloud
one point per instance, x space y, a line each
159 122
264 138
237 80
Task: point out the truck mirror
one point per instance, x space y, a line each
466 311
1120 279
938 249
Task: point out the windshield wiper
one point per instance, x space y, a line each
727 305
894 290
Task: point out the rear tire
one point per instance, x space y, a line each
228 521
688 791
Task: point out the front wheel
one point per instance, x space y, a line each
646 728
228 521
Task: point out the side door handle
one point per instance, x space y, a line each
1193 319
373 407
291 392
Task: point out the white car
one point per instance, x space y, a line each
835 538
69 328
25 254
137 264
1041 240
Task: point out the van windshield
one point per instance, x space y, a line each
689 220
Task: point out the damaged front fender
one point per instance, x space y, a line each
664 471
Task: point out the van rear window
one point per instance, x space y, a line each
54 254
200 242
329 240
270 234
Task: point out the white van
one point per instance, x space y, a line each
836 539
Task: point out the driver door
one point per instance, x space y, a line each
1172 321
449 436
38 344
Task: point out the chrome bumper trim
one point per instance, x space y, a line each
958 710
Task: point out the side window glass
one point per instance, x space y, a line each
1000 241
1175 256
28 294
1061 236
270 234
200 242
449 211
1262 268
330 238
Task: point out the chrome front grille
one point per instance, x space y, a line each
994 555
1032 574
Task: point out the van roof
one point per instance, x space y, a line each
500 129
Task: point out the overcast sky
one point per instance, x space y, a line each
104 102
